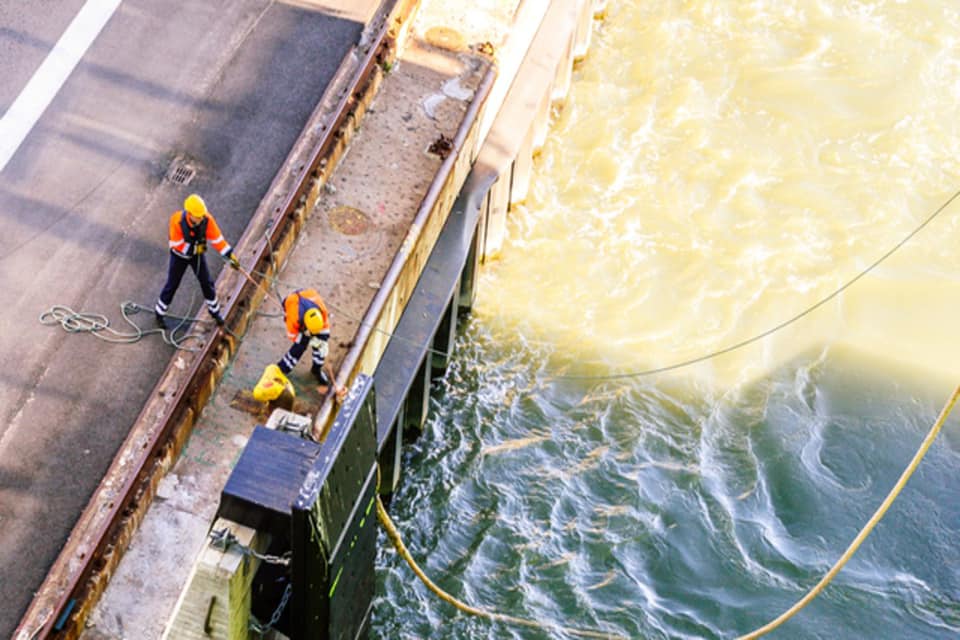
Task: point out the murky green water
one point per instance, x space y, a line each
718 168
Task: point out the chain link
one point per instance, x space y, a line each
224 539
261 629
299 428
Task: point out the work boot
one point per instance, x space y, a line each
320 375
161 320
217 318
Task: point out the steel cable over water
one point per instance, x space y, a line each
781 325
99 326
685 363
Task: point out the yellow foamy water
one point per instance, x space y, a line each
720 167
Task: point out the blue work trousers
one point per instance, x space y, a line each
178 265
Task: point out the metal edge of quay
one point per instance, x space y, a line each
107 525
416 248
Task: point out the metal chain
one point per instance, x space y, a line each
224 539
261 629
302 430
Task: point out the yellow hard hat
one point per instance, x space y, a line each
195 206
313 321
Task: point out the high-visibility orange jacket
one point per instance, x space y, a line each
298 303
185 239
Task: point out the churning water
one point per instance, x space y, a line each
718 168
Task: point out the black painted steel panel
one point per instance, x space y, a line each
333 527
428 304
267 479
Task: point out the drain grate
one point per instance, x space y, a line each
181 172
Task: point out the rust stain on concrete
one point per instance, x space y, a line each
349 221
445 38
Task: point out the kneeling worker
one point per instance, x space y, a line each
308 323
190 231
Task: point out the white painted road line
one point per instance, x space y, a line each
44 85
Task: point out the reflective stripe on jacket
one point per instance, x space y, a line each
185 238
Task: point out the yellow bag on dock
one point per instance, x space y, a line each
272 385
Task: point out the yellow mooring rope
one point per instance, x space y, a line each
394 536
931 436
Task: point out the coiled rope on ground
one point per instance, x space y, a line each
98 325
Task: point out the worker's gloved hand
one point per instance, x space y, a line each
320 346
234 260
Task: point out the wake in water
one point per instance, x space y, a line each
665 511
718 168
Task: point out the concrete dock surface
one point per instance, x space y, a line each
353 234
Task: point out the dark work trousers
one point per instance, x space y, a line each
178 265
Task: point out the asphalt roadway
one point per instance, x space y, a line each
226 84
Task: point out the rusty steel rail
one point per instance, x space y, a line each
80 573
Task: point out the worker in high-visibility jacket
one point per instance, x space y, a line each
191 229
308 324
